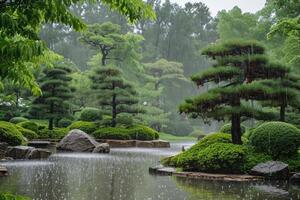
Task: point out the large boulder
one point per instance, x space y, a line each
26 152
102 148
77 141
295 179
271 170
3 149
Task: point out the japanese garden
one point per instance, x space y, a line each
149 99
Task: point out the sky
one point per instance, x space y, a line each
217 5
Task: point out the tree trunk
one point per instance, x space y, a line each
50 125
114 112
236 129
282 113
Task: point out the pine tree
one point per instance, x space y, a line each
54 103
240 71
114 94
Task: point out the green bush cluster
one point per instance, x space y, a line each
227 129
8 196
56 133
16 120
64 122
30 125
10 134
137 132
91 114
125 120
277 139
29 134
87 127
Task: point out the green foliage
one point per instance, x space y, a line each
16 120
252 158
197 133
226 128
137 132
8 196
179 128
27 133
30 125
10 134
91 114
114 133
125 120
87 127
56 133
293 162
64 122
278 139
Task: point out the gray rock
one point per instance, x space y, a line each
19 152
38 154
102 148
3 171
39 144
161 170
295 179
77 141
271 170
3 149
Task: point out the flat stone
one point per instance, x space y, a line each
3 171
77 141
102 148
271 170
144 144
38 154
39 144
161 170
119 143
161 144
295 179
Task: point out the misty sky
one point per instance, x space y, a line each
217 5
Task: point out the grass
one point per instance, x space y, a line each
168 137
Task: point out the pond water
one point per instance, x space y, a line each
123 175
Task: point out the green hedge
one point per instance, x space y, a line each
8 196
278 139
91 114
227 129
29 125
56 133
10 134
29 134
87 127
137 132
64 122
16 120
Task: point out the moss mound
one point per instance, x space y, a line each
10 134
16 120
64 122
91 114
227 129
277 139
29 134
56 133
112 133
88 127
30 125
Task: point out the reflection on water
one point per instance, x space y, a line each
123 175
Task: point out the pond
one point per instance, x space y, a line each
123 175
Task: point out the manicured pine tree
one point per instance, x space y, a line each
114 94
239 72
54 103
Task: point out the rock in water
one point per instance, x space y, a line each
19 152
295 179
102 148
3 149
3 171
271 170
77 141
38 154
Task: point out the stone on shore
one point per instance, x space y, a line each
3 171
25 152
77 141
272 170
102 148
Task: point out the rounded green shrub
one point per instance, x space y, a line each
16 120
29 134
88 127
56 133
227 129
125 120
141 132
64 122
277 139
112 133
29 125
91 114
10 134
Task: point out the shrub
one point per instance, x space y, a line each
10 134
253 158
64 122
56 133
90 114
125 119
16 120
88 127
227 129
294 163
140 132
29 125
29 134
277 139
8 196
112 133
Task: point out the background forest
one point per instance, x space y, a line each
152 61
